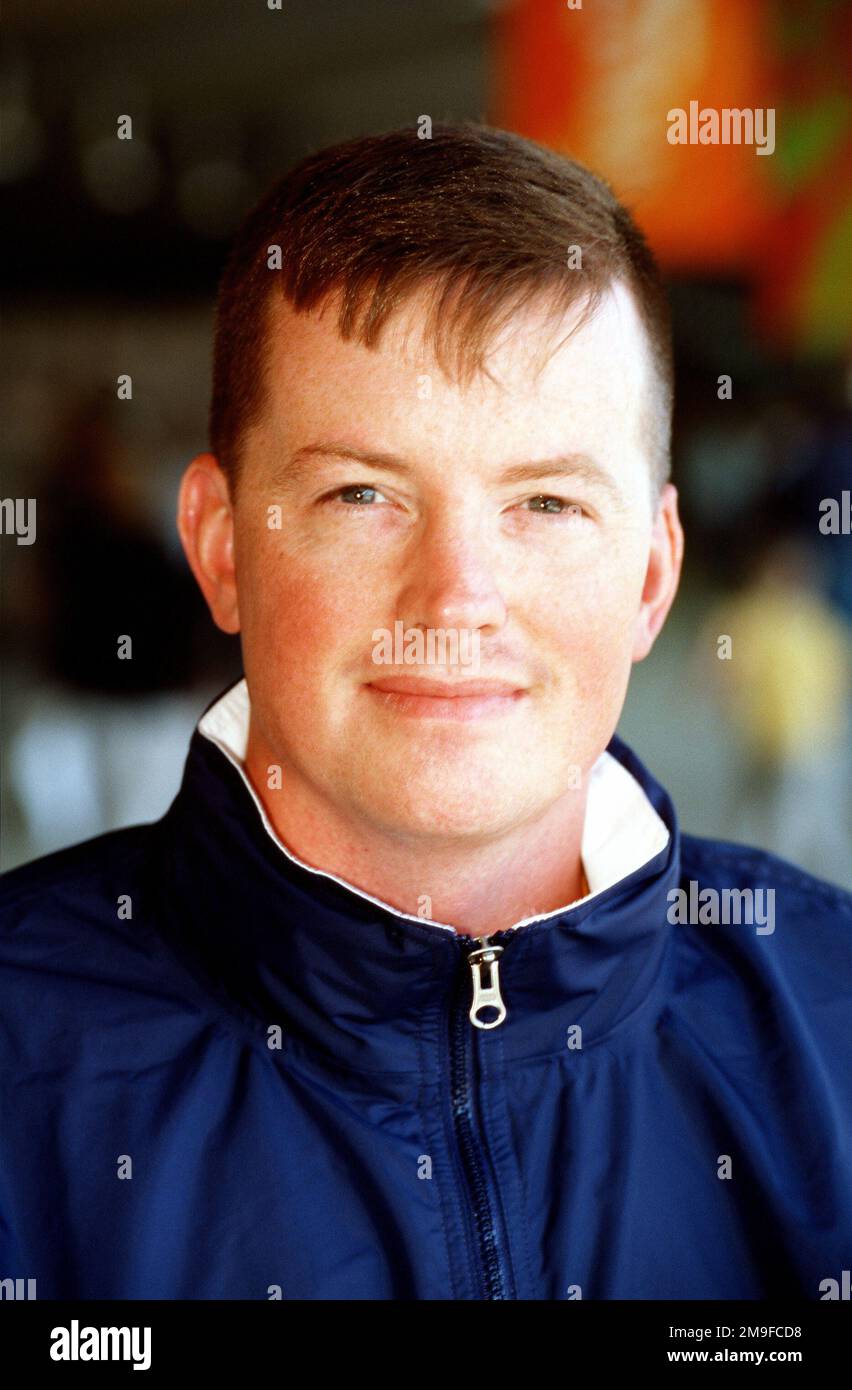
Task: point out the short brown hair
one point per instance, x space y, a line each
485 217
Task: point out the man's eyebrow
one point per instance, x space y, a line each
576 466
298 465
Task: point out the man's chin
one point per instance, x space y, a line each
467 809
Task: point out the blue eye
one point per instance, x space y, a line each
360 495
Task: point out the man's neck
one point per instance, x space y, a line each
478 888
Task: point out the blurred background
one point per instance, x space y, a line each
110 268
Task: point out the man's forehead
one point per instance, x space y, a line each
535 349
326 413
589 397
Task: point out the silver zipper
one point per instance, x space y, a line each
486 996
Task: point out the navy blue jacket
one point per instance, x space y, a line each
259 1084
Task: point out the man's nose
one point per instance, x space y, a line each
452 581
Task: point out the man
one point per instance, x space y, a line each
417 991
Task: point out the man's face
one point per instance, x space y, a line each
544 570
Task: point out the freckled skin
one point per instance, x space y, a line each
563 602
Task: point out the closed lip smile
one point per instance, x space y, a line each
464 698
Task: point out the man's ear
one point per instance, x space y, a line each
663 573
205 521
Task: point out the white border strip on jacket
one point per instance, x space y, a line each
621 833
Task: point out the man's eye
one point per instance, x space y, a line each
354 495
556 505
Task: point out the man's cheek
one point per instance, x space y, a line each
307 631
593 610
593 651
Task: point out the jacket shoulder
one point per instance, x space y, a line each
725 863
99 1011
83 957
88 900
764 952
72 876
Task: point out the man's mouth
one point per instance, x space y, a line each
461 699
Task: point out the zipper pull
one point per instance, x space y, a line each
486 996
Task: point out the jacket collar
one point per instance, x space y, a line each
352 979
622 829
